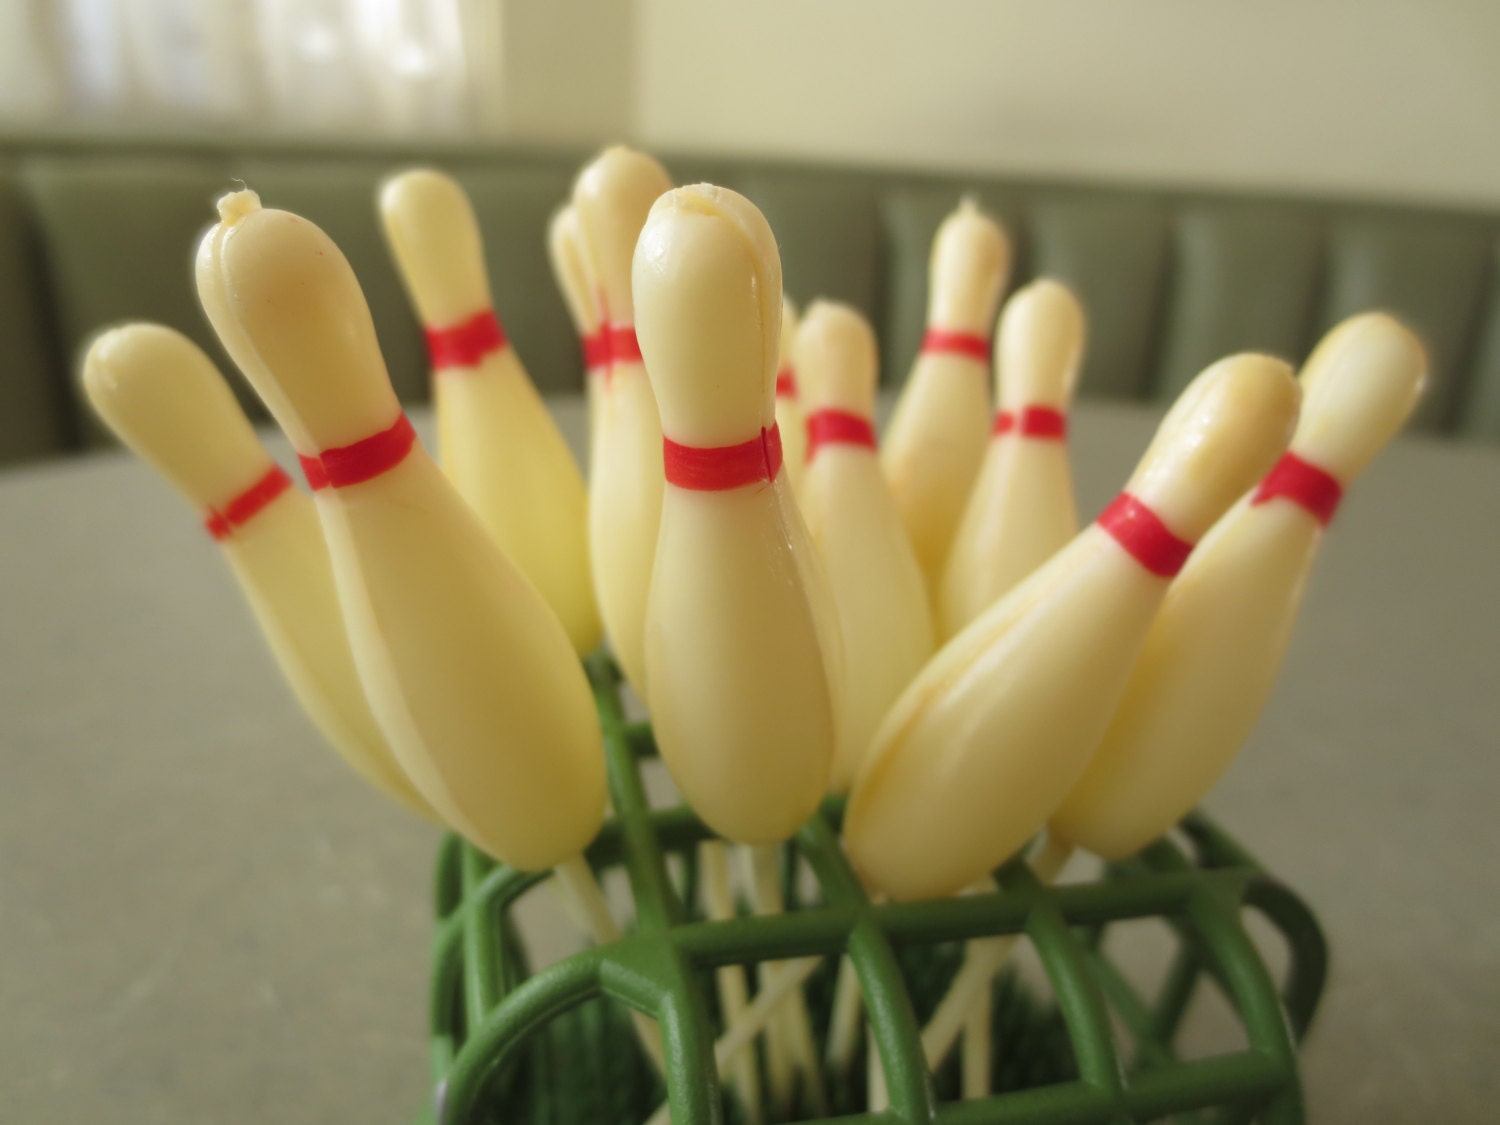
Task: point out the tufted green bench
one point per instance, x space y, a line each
95 230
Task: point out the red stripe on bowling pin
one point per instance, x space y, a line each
1141 532
837 427
720 468
1033 422
1303 483
221 522
466 343
938 341
364 460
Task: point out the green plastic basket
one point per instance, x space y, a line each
556 1046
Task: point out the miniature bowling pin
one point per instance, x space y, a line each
984 745
1211 657
470 675
1021 510
500 446
877 585
612 197
937 433
737 678
791 419
165 399
570 271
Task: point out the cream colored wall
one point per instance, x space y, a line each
567 69
1381 97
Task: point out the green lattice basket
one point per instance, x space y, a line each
556 1046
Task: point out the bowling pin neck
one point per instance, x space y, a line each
707 285
836 356
1359 386
833 428
613 195
289 309
1222 435
786 371
164 398
969 267
723 468
565 251
786 382
1042 423
435 238
1039 346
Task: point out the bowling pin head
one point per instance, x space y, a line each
165 399
435 239
1359 386
287 306
565 250
707 283
613 195
1038 348
1206 450
837 356
968 270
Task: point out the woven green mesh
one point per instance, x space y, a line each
556 1047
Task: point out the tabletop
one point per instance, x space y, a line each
204 917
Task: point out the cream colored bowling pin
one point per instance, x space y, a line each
570 271
612 196
877 585
791 419
499 444
1021 510
470 675
980 750
937 433
1210 660
736 676
165 400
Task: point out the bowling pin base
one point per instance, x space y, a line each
557 1045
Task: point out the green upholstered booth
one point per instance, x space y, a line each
94 230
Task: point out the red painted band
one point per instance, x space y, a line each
938 341
1303 483
786 383
610 345
221 522
619 344
364 460
837 427
595 352
1140 531
1035 422
466 343
720 468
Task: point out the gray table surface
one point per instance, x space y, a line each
205 918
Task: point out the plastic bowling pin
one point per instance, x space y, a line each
570 271
1210 660
165 399
877 585
470 675
500 446
937 433
791 419
612 196
984 745
737 679
1021 510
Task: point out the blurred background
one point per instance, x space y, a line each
1380 97
1210 176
